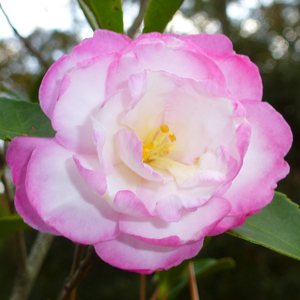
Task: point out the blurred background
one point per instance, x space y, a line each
268 31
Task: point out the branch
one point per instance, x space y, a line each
193 283
155 294
26 278
143 287
138 20
25 42
76 262
73 281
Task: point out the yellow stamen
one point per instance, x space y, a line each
197 159
158 143
164 128
147 149
166 150
172 137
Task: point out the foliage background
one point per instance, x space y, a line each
266 31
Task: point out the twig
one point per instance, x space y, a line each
25 42
26 278
143 287
193 283
138 20
155 294
78 275
77 258
76 261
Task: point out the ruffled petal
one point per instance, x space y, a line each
242 76
263 165
227 223
215 45
126 202
64 200
18 157
106 124
166 201
181 58
131 153
102 43
122 178
127 253
81 99
207 121
28 213
193 226
89 170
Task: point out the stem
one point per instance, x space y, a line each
81 271
25 42
138 20
143 287
76 261
25 278
77 258
193 283
155 294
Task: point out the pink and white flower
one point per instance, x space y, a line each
160 142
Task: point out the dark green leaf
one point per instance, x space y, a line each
277 227
172 281
11 224
21 118
159 14
108 13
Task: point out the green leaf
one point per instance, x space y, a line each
159 14
171 282
108 14
21 118
276 227
88 15
11 224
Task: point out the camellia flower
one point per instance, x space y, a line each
160 142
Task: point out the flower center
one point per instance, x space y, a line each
158 143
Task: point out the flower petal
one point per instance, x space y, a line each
242 76
217 45
263 165
18 156
181 58
102 43
63 199
228 223
126 202
106 124
81 100
166 201
87 168
127 253
131 153
193 226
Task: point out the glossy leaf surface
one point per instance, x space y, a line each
108 14
21 118
277 227
159 14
